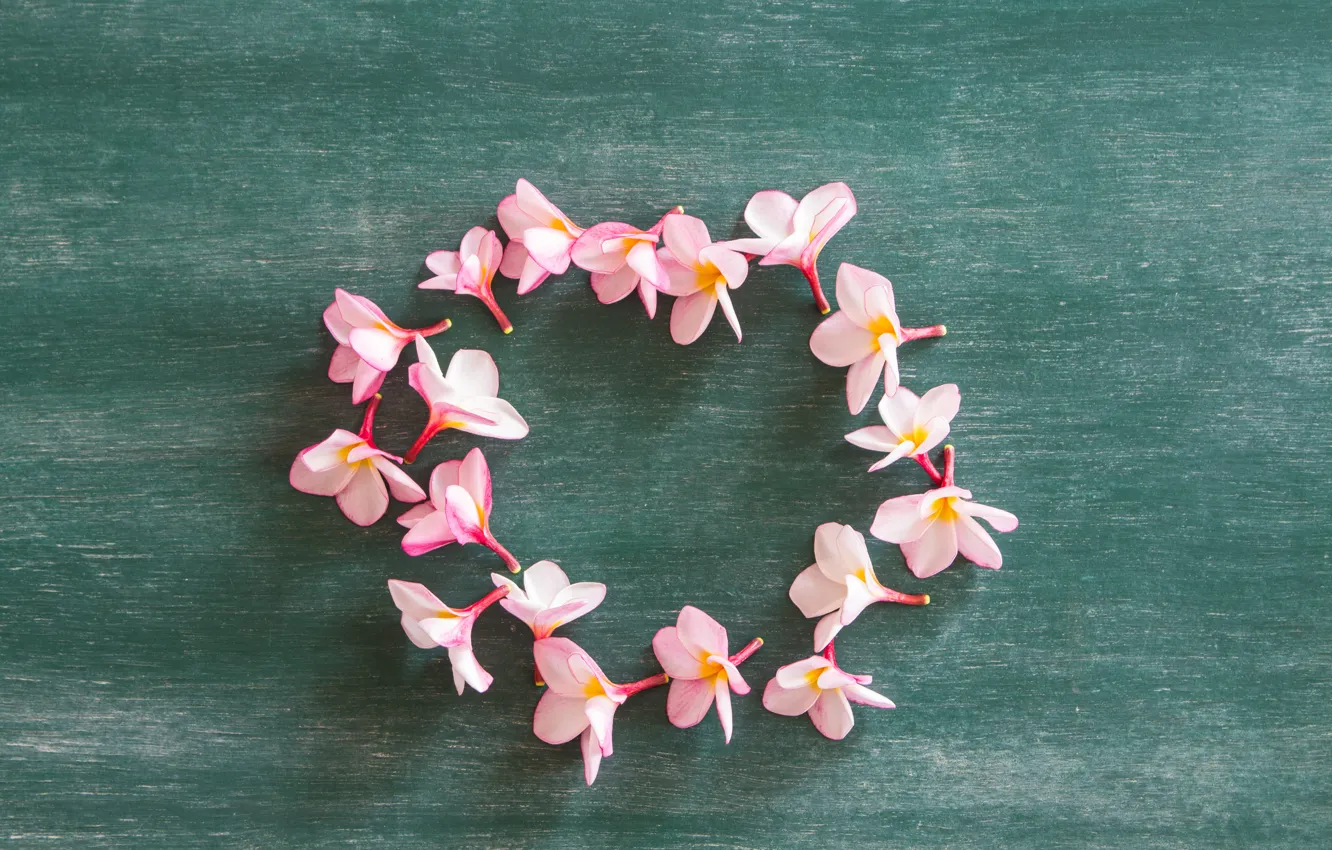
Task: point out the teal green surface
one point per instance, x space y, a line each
1120 209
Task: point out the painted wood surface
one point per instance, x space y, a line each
1120 209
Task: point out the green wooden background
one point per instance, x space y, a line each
1120 209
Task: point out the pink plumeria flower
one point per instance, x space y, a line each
702 273
623 258
540 237
458 510
694 654
912 424
818 686
547 600
351 468
464 398
841 583
791 233
864 334
933 527
368 343
580 700
470 270
430 623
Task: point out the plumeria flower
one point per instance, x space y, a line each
368 343
430 623
464 398
458 510
470 270
912 424
693 653
580 700
818 686
841 583
547 600
864 334
351 468
623 258
702 273
540 237
933 527
793 234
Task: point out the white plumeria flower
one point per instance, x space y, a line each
430 623
547 600
818 686
841 583
912 424
465 398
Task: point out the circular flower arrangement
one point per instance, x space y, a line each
677 257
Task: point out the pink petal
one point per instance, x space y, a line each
514 220
587 593
826 224
892 379
731 264
367 381
509 425
611 288
734 681
976 545
362 451
825 544
473 372
901 451
942 402
442 477
589 252
591 755
936 430
514 260
688 701
365 499
858 598
681 280
330 452
416 634
770 214
533 275
899 412
465 520
377 347
400 484
700 634
429 533
326 482
549 248
879 304
813 210
449 632
648 295
831 714
861 379
861 695
898 520
852 284
728 310
684 236
1000 520
839 341
675 658
535 204
691 314
525 611
335 323
415 600
552 658
342 368
474 477
643 259
815 594
559 719
723 697
467 669
444 262
933 551
415 514
797 675
357 312
789 702
600 713
852 552
756 247
548 620
543 581
876 438
826 630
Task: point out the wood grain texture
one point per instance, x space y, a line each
1120 209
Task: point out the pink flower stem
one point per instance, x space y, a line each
437 327
812 275
504 323
926 464
909 334
643 684
368 423
830 653
950 460
536 676
906 598
509 560
750 648
433 427
489 599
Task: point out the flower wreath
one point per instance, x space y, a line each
678 257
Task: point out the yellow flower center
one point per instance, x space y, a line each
944 510
882 325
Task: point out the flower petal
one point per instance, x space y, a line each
827 630
331 452
728 310
691 315
815 594
892 378
769 214
365 498
675 658
358 311
533 275
852 284
688 701
600 713
342 367
796 675
588 594
812 211
400 484
858 598
543 581
377 347
509 425
933 551
681 280
416 514
535 204
429 533
976 545
832 715
449 632
589 251
335 323
791 702
552 659
941 402
700 634
548 620
442 477
474 477
839 341
326 482
901 451
898 520
643 259
467 669
723 696
415 599
473 373
611 288
591 755
366 382
466 521
559 719
1000 520
416 634
876 438
684 236
860 380
861 695
549 248
514 259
